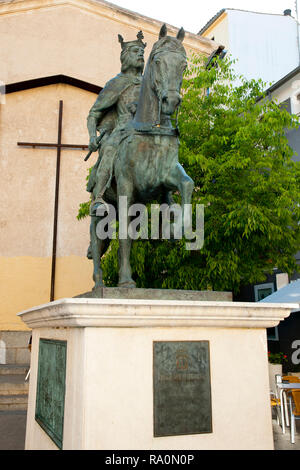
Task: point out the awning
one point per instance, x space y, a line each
287 294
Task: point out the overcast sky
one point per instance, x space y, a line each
194 14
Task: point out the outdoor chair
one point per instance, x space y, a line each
284 405
291 378
294 400
275 404
287 393
275 399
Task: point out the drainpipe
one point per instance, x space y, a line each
297 26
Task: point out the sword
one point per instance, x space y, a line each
98 145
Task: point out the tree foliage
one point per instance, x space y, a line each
234 147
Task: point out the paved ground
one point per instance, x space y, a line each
282 441
12 430
13 427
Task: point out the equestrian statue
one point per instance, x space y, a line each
137 142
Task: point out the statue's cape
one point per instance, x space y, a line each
104 110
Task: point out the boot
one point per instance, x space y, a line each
97 203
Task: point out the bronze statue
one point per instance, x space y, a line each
139 158
113 109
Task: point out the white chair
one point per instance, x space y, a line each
282 403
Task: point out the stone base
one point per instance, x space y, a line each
155 294
274 369
14 347
109 387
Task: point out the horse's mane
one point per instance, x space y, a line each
147 109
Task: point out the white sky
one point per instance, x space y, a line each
194 14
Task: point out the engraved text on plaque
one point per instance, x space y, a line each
182 392
50 397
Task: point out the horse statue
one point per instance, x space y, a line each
146 167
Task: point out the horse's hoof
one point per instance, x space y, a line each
96 205
128 284
97 286
93 210
98 283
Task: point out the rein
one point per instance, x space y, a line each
156 130
157 123
150 130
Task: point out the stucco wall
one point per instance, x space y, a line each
74 37
265 45
28 190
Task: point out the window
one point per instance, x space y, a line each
272 334
286 105
262 291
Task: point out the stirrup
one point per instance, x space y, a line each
97 203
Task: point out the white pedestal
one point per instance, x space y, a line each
109 370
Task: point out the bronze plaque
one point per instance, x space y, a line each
50 396
182 392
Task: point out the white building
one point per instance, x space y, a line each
266 46
287 92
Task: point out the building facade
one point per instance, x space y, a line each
265 46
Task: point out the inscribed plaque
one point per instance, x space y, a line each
182 391
50 396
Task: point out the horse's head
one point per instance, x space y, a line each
168 62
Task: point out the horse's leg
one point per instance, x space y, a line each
185 185
97 249
167 198
125 189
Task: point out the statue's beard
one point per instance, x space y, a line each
130 64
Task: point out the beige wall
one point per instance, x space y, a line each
28 190
77 38
74 37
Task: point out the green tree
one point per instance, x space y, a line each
234 147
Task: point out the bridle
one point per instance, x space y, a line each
158 92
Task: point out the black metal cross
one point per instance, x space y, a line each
59 146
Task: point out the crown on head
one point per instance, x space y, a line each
137 42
